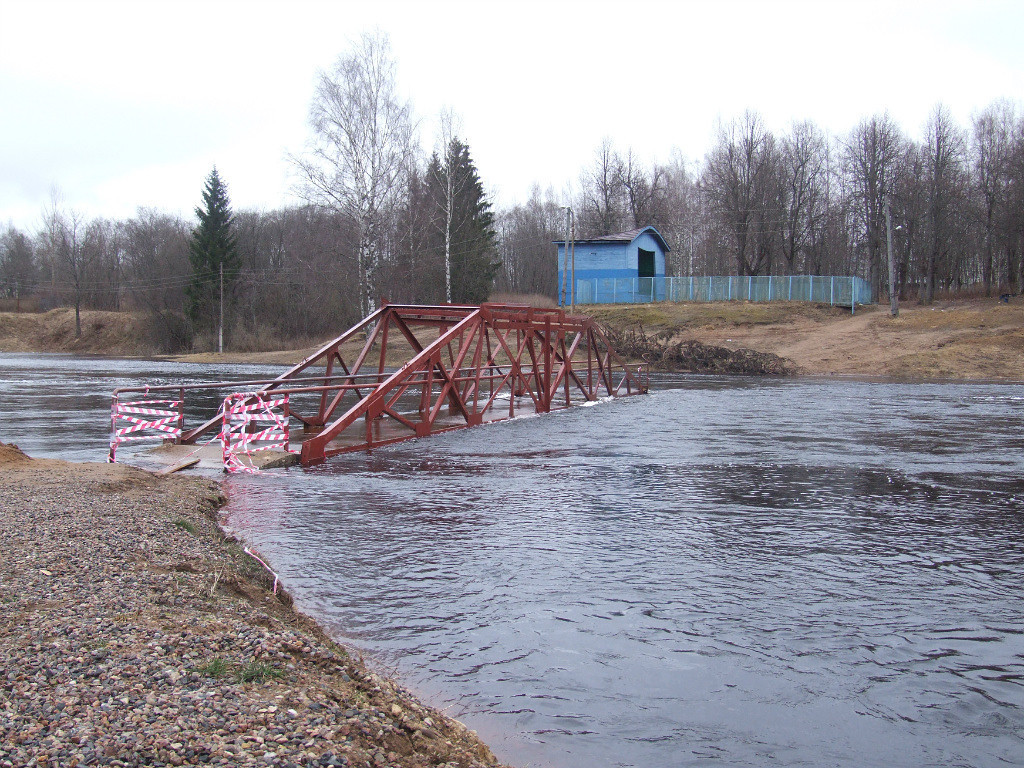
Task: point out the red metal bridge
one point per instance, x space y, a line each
412 371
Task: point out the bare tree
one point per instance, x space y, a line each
599 210
676 212
873 152
63 235
741 182
803 168
17 265
944 158
910 213
526 233
992 154
362 134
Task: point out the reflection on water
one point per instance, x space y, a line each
729 572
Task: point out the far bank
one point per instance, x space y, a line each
976 338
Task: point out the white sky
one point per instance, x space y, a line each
128 104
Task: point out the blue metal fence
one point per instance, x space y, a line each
834 290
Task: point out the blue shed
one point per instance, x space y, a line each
629 266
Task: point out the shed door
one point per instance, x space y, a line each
645 263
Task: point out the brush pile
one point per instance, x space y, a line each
660 353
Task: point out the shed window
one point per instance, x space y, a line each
645 263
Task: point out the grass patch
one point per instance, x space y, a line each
216 667
185 525
257 672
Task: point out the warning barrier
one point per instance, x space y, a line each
252 423
165 417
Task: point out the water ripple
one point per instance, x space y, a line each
727 572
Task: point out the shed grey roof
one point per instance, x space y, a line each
623 237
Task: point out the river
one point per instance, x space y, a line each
726 572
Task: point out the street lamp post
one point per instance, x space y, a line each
894 299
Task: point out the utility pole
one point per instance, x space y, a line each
894 300
565 255
572 284
220 330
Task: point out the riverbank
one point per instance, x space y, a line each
961 339
974 338
133 633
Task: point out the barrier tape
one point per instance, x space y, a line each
168 424
252 553
241 411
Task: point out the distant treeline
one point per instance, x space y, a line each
802 202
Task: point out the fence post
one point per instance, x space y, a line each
112 455
832 291
810 288
181 411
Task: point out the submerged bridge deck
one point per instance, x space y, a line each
411 371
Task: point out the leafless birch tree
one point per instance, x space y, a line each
362 133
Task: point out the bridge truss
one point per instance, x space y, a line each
412 371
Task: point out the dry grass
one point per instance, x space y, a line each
966 338
963 339
530 299
667 316
108 333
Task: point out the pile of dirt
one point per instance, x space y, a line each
11 454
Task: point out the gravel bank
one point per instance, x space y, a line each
133 634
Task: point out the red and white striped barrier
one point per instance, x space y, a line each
139 416
252 423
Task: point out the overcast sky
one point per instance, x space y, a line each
126 104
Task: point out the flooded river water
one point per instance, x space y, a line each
728 571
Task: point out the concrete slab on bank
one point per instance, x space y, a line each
169 456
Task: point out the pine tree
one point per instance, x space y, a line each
213 247
466 243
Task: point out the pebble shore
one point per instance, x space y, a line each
133 633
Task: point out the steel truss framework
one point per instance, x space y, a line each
468 365
463 366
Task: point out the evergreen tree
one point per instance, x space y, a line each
465 239
213 247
